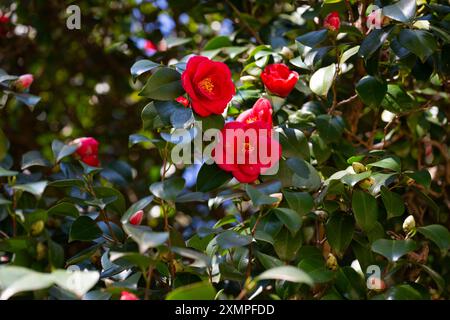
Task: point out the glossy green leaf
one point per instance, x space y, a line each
438 234
339 229
322 80
393 203
365 209
371 90
164 84
84 229
168 189
286 273
393 249
196 291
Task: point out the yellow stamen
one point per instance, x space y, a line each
207 85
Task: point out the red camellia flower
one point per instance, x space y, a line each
136 218
88 150
332 21
246 149
208 84
128 296
262 110
4 19
183 101
24 82
279 79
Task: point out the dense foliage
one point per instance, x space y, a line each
93 205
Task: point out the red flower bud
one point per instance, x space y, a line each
128 296
332 21
279 79
136 218
208 84
88 150
183 101
150 47
4 19
24 82
262 111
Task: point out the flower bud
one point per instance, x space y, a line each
183 101
41 251
409 224
37 227
136 218
24 82
366 183
332 263
358 167
287 53
332 21
128 296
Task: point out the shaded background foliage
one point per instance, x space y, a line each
83 80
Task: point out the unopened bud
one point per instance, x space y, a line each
24 82
287 53
37 227
41 251
409 224
136 218
332 263
366 183
358 167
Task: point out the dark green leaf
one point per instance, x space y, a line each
393 203
339 229
168 189
164 84
365 209
371 90
211 177
420 42
84 229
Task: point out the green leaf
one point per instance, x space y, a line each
34 158
302 202
145 237
398 100
214 121
294 143
422 177
168 189
84 229
373 41
258 198
371 90
321 81
391 163
112 198
290 219
438 234
143 66
140 205
286 273
231 239
403 10
313 38
217 43
348 54
164 84
15 279
339 229
393 203
196 291
316 269
35 188
321 149
305 175
353 179
365 209
350 284
64 209
403 292
211 177
60 150
286 245
420 42
182 118
268 262
7 173
393 249
330 128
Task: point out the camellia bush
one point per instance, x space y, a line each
301 155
